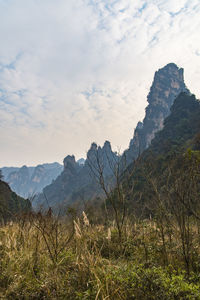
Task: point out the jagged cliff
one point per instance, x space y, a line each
28 181
79 182
168 83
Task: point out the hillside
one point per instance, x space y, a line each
10 203
166 162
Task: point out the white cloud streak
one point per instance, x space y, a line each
73 72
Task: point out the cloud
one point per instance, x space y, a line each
73 72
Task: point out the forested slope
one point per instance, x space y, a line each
10 203
170 157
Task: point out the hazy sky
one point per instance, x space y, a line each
77 71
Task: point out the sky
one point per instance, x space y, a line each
77 72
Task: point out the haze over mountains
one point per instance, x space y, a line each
28 181
77 181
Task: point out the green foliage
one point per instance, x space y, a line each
139 282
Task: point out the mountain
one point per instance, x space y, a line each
167 84
168 164
10 203
79 182
28 181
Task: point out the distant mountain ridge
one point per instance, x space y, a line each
28 181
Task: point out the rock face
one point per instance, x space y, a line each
69 162
19 181
28 181
79 181
168 83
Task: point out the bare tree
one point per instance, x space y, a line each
53 231
107 168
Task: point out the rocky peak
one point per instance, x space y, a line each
69 162
93 147
38 173
24 170
92 153
98 150
167 84
107 145
39 168
107 154
22 175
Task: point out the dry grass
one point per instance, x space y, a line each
46 258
